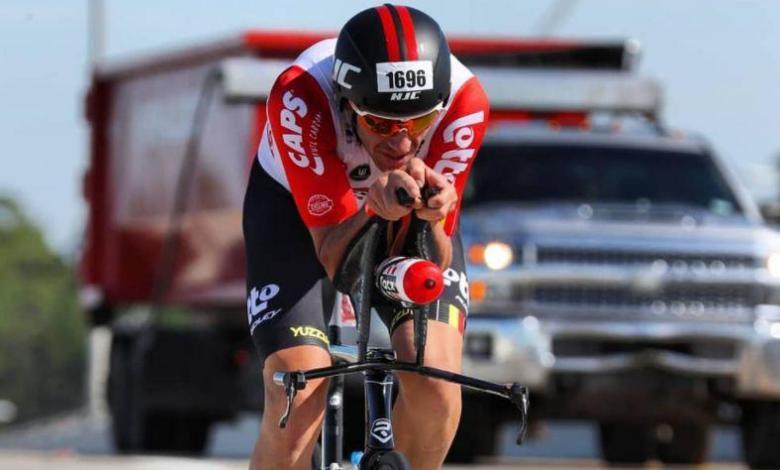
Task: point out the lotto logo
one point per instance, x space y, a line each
453 277
461 133
257 304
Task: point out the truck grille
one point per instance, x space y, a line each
551 255
717 301
675 299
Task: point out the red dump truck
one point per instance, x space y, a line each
171 142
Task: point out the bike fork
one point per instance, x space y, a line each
333 426
378 386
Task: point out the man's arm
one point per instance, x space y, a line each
457 139
331 241
436 209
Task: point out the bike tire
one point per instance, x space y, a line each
390 460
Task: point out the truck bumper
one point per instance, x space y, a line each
523 349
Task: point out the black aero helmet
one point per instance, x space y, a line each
392 61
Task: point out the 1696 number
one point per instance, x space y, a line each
406 79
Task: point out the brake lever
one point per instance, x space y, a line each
518 395
292 382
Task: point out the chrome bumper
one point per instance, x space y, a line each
519 349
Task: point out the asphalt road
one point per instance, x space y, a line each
78 442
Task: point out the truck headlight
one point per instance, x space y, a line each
773 264
495 255
499 255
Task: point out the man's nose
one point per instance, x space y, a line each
400 142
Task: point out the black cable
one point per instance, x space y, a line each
189 163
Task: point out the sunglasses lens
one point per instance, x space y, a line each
423 122
386 127
378 125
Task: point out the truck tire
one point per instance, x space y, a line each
177 433
135 428
761 434
479 427
688 444
119 387
625 443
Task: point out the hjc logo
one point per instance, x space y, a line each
461 133
409 95
294 140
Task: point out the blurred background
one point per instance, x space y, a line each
718 63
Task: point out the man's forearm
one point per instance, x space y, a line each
331 242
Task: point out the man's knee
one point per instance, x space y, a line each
437 397
309 403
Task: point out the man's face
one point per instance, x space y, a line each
389 152
392 143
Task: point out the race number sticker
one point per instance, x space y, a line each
412 75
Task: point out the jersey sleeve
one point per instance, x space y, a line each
305 138
457 139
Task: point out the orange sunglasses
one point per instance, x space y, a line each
386 127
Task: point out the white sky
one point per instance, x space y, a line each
718 60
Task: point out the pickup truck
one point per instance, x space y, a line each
624 275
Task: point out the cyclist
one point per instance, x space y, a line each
383 106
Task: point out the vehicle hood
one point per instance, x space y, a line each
618 227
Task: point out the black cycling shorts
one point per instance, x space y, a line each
286 284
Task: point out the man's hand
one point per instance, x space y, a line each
438 206
382 197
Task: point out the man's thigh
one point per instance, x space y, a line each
444 345
284 278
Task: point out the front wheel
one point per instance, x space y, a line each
761 434
687 445
625 443
385 460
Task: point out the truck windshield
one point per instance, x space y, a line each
542 174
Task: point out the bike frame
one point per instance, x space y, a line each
376 364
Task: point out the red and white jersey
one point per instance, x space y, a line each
310 147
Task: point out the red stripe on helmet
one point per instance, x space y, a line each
391 37
409 36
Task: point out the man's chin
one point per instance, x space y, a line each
386 163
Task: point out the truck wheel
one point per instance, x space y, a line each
477 434
687 444
119 387
137 429
625 443
385 460
761 434
175 433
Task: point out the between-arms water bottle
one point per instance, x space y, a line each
410 280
